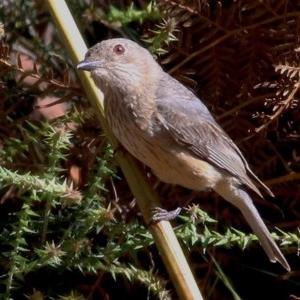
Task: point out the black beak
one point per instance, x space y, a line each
89 65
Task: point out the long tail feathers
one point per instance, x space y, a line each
242 200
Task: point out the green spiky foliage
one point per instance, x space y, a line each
70 228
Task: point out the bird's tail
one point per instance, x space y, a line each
242 200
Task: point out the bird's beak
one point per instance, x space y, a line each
89 65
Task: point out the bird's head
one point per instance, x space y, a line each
120 63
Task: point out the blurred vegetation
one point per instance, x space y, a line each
69 225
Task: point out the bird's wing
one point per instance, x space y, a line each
190 124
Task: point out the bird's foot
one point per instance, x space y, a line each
160 214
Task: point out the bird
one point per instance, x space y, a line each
168 128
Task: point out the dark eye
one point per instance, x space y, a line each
119 49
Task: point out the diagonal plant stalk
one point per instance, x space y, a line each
162 232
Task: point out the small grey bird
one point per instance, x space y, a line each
165 126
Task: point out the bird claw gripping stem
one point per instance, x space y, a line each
160 214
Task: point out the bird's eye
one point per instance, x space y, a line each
119 49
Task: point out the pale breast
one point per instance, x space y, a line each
169 161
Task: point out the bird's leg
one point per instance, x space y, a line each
160 214
119 148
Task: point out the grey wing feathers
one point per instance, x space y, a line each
189 123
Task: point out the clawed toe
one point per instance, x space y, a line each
160 214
